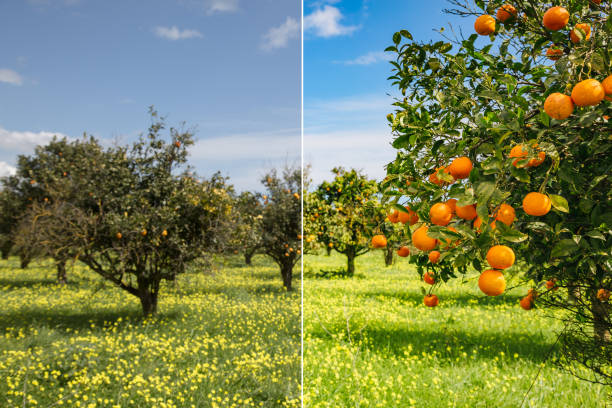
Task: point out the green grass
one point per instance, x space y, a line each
225 336
370 342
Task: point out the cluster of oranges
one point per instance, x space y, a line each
589 92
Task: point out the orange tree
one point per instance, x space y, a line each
281 223
348 204
247 232
134 215
513 125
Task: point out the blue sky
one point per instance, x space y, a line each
345 88
229 68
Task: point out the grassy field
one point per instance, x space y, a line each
227 336
370 342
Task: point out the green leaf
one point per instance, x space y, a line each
512 235
559 203
596 235
399 207
520 174
564 247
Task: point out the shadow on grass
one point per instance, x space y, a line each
395 340
62 319
27 282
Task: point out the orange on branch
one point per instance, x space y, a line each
393 216
555 18
118 235
492 282
558 105
603 295
430 300
434 257
588 93
461 167
506 214
484 25
554 53
500 257
526 302
452 203
409 217
379 241
506 12
586 32
403 252
551 284
440 214
429 278
607 86
422 241
467 212
537 204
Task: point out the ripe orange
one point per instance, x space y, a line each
500 257
164 233
393 216
551 284
452 203
143 232
440 214
403 252
379 241
554 53
506 214
555 18
177 143
422 241
478 223
430 300
506 12
492 282
526 302
588 93
461 167
586 32
429 278
603 295
484 25
410 217
537 204
558 105
433 177
467 212
118 235
434 257
607 86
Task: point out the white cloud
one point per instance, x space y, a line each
10 77
6 169
174 33
278 37
325 22
367 150
24 142
221 6
367 59
256 145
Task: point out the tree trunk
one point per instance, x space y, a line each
147 292
350 262
601 320
25 260
6 249
328 250
287 274
61 273
388 256
248 257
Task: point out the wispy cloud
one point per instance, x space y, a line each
278 37
221 6
325 22
10 77
174 33
367 59
6 169
24 142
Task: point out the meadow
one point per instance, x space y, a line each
370 342
225 335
